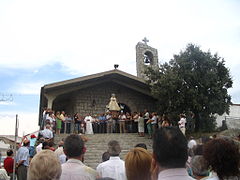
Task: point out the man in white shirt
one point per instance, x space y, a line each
74 169
192 143
154 121
109 123
47 133
44 115
59 150
88 120
146 118
182 123
114 167
169 154
40 145
122 119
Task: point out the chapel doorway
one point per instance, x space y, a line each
125 108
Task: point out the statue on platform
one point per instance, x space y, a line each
113 109
113 105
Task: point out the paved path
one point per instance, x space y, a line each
97 145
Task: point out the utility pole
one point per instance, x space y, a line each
15 147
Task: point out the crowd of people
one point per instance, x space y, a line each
173 158
109 122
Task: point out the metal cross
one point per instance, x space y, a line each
145 40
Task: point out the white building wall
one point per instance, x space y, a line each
233 119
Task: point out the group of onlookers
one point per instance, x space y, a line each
173 158
109 122
59 122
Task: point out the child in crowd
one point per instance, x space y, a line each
32 140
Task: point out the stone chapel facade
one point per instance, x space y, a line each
91 94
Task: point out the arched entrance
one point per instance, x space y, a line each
125 108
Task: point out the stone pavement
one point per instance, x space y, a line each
97 145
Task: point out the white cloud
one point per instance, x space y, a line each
27 87
7 103
28 122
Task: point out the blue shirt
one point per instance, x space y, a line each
102 119
23 154
32 141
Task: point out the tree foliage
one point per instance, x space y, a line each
193 81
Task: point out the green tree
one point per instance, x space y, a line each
193 81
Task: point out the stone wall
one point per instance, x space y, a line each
94 99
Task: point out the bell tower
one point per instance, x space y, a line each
146 56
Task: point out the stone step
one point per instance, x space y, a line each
97 145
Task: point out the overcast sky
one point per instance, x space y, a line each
46 41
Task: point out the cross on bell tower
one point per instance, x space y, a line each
145 40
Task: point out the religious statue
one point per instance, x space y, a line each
113 105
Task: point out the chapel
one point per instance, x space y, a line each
90 94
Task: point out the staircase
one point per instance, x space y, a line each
97 145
